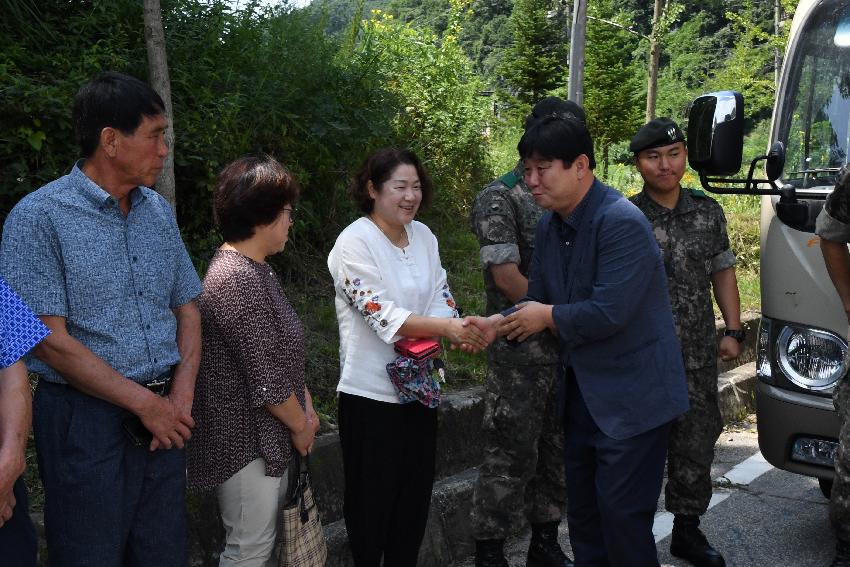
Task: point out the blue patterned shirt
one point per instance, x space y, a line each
69 251
20 329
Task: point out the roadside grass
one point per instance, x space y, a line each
460 258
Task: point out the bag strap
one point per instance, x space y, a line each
294 477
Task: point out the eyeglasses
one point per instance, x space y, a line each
291 211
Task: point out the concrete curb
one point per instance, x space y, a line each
736 391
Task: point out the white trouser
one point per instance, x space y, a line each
249 502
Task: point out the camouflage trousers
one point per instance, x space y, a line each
522 476
839 502
691 447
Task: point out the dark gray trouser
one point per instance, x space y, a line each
522 475
691 448
107 502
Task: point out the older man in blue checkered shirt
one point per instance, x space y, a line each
99 257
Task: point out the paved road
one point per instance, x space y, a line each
760 516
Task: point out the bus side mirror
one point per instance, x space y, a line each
716 133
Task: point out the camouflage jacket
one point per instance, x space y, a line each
504 219
694 245
833 222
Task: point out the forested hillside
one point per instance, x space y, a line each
320 87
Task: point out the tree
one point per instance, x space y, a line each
663 17
532 65
749 66
613 87
158 70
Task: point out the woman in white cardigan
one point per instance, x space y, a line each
389 284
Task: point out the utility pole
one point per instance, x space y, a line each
654 56
161 83
577 42
777 53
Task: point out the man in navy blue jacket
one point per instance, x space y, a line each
597 280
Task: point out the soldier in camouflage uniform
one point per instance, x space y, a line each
690 228
833 227
522 475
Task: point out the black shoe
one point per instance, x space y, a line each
544 550
689 543
490 553
842 555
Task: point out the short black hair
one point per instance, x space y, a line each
554 105
378 168
557 136
112 100
251 192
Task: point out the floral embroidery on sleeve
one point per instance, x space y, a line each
450 301
365 301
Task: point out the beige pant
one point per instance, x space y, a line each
249 502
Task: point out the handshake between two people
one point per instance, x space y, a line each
520 322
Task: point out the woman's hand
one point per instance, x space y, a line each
302 439
462 332
487 325
312 416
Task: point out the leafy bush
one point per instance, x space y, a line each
257 79
441 114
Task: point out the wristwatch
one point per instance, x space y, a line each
737 334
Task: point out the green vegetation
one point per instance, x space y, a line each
613 98
321 87
532 64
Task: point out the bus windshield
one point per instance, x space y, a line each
815 116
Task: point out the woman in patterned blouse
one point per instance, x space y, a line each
389 284
251 404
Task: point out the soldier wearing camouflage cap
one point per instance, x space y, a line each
523 472
833 227
690 228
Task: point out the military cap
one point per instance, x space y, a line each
656 133
554 105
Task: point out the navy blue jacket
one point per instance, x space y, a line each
613 316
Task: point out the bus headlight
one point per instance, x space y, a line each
811 359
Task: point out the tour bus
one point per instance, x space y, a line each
802 342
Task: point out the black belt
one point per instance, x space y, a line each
161 384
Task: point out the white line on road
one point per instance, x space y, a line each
741 474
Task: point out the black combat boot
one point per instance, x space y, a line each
490 553
689 543
544 550
842 555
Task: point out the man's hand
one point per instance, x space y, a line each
729 348
529 318
12 464
7 506
170 428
